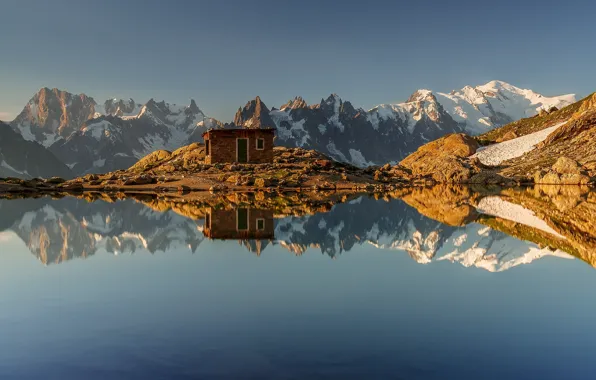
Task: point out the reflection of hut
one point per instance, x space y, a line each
241 223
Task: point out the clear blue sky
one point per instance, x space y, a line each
223 53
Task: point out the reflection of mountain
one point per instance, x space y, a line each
396 226
439 224
60 230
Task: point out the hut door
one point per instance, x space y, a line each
242 219
242 150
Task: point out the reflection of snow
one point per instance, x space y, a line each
479 246
498 207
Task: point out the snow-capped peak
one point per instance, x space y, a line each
481 108
421 95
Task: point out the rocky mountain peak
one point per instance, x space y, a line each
120 107
52 114
330 105
193 108
255 114
295 103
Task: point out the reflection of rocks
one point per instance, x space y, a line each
569 210
448 204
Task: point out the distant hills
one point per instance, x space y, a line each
88 136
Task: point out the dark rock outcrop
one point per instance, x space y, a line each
255 114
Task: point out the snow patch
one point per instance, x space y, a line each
358 159
497 153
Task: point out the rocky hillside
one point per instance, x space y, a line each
569 149
26 159
185 169
555 147
526 126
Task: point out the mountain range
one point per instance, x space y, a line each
91 137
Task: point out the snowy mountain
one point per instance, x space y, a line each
52 115
111 142
92 137
389 132
27 159
60 230
118 107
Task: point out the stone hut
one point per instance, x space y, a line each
239 224
254 146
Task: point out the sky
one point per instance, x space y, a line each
224 53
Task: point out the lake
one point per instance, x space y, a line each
421 284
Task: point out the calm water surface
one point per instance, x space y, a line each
371 289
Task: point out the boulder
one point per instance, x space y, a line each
91 177
566 165
55 180
326 164
488 178
507 136
444 160
233 179
73 186
140 180
264 182
168 168
564 172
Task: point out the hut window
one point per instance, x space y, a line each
260 224
260 144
